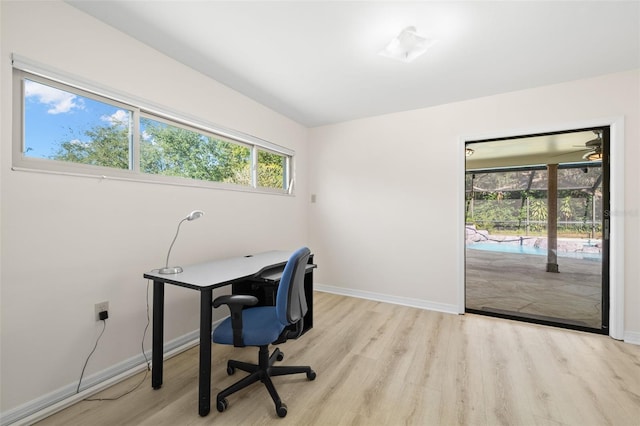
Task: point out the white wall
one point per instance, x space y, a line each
388 189
69 242
385 220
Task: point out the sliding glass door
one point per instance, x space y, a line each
537 234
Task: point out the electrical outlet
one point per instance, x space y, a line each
100 307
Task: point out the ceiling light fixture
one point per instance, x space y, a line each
407 46
594 156
468 152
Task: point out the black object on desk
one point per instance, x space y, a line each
256 269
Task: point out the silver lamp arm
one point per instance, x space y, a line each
177 269
166 264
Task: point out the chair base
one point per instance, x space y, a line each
263 372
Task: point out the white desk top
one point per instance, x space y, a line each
217 273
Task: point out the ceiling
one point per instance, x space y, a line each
317 63
558 148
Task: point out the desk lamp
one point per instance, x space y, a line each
177 269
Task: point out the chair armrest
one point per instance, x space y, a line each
235 299
236 302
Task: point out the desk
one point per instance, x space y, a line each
205 277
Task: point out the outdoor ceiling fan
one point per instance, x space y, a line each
594 147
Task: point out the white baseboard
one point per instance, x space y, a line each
396 300
46 405
632 337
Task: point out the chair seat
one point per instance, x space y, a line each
260 326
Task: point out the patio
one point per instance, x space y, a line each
518 284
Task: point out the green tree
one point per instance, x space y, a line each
566 210
493 211
106 146
270 170
174 151
538 212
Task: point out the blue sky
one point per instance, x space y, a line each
53 116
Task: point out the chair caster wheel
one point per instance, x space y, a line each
230 370
311 375
222 405
281 409
280 357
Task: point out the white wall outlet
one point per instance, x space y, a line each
102 306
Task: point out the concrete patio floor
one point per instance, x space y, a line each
518 284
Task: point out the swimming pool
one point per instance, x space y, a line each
517 248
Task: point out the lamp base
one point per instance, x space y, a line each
170 270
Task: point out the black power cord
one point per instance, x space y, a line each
104 327
143 354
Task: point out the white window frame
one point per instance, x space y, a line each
27 69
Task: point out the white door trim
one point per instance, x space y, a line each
616 188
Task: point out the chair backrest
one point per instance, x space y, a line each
291 304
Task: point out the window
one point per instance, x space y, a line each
272 169
65 126
67 129
172 150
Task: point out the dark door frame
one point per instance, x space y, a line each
604 290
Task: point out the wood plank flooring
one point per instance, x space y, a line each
384 364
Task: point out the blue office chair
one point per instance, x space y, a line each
263 325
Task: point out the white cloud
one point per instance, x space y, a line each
57 100
118 118
147 137
79 142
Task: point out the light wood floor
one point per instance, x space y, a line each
384 364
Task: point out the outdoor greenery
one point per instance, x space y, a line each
172 151
515 202
270 170
106 146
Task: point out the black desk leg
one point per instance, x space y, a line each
204 404
158 335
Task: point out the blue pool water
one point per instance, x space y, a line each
517 248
